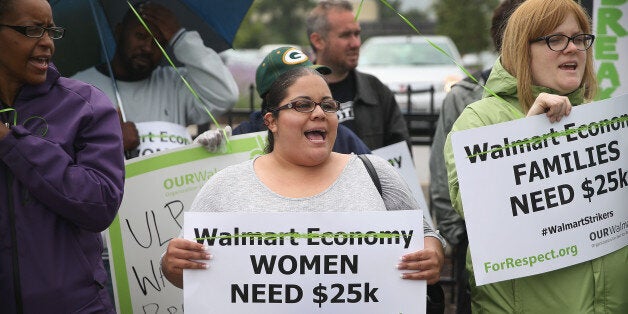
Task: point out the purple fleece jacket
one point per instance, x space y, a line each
61 183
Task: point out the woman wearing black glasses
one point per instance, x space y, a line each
61 172
300 173
546 67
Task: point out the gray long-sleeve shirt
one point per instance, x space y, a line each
237 188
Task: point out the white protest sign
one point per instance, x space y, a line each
398 155
342 262
545 196
156 136
158 188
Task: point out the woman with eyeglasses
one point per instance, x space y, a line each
61 172
545 67
300 173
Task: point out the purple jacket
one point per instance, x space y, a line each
61 183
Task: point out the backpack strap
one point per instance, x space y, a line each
371 170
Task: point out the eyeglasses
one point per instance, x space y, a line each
307 105
38 31
559 42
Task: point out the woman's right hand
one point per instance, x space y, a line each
183 254
555 107
214 140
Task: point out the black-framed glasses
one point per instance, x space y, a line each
54 32
559 42
308 105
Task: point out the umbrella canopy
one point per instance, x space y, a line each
89 26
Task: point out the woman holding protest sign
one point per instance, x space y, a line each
545 67
300 173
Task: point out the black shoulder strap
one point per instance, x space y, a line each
372 172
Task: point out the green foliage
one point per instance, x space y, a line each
467 22
386 14
415 16
274 21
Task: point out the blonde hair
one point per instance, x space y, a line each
533 19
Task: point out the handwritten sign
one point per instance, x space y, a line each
539 196
304 262
158 188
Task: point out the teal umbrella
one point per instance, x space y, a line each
89 23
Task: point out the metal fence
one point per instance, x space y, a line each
421 126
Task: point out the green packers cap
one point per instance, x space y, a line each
278 62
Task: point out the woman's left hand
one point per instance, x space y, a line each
427 263
555 107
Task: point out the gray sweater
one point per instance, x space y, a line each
237 188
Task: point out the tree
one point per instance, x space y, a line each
388 15
274 21
467 22
385 13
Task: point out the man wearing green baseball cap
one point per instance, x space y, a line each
276 63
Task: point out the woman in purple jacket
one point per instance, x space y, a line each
61 172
